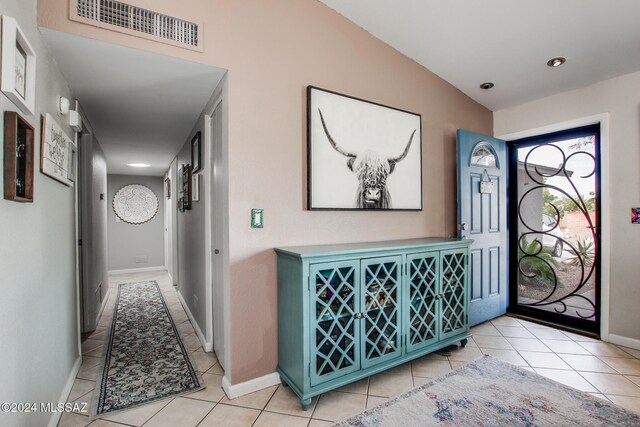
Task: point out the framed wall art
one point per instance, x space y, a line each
196 152
361 155
18 158
73 162
167 188
57 152
186 187
135 204
195 188
18 66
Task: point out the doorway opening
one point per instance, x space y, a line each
554 234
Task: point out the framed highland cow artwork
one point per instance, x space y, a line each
361 155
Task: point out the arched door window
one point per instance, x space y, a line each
483 155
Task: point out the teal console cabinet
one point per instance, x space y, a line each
348 311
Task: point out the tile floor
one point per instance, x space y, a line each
607 371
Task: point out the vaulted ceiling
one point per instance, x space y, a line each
507 42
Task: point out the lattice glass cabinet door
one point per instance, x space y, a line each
335 332
380 299
422 296
453 298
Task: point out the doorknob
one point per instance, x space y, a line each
217 251
463 227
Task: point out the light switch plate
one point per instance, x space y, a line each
257 218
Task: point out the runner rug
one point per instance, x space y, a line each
145 360
489 392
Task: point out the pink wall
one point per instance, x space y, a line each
273 50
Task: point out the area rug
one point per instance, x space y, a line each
489 392
144 360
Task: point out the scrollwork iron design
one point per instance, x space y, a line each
533 251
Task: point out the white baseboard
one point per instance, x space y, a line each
624 341
55 416
207 346
138 270
237 390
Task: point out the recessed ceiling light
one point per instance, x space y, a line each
557 61
138 165
486 85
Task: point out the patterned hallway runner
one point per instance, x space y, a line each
145 359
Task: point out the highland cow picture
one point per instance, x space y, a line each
361 155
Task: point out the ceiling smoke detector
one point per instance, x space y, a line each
556 62
486 85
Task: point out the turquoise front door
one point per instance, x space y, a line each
482 216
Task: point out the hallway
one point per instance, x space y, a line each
93 346
608 371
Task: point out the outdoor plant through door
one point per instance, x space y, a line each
555 232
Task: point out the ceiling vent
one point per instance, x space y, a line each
135 20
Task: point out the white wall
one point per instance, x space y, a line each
193 247
38 310
131 244
620 97
203 276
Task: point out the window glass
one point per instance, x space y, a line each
483 156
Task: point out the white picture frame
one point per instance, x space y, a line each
57 152
195 189
18 76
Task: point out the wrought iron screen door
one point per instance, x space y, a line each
554 211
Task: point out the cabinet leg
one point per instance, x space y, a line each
305 404
464 342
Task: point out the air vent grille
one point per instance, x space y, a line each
141 20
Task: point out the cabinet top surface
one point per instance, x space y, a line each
422 243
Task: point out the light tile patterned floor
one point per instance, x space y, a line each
608 371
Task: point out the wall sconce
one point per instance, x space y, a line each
64 105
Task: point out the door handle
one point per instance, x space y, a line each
463 227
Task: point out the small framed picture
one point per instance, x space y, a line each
167 187
57 152
18 158
195 188
186 187
73 163
635 215
18 66
196 153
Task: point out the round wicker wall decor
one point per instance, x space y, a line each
135 204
